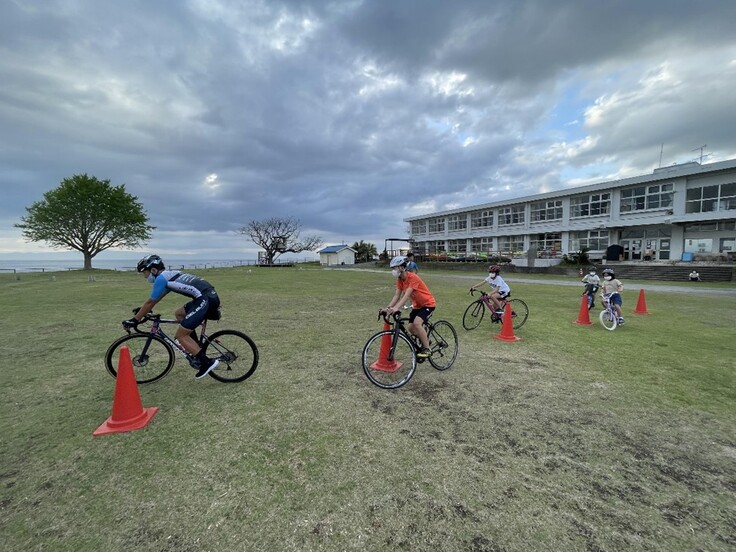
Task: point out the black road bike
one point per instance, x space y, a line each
152 352
390 356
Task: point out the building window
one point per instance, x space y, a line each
511 215
437 225
437 246
456 223
590 205
481 219
511 244
456 246
481 245
591 239
546 210
549 244
418 227
711 198
641 198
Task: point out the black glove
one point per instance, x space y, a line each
132 323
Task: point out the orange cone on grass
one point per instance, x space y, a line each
641 304
127 410
383 363
507 329
584 314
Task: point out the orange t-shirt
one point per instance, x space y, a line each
421 296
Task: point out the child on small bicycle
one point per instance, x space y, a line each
409 286
592 282
611 289
499 288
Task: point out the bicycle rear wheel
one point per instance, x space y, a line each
148 367
237 353
474 315
519 312
608 319
443 344
385 367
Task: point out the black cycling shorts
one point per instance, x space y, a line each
203 307
424 313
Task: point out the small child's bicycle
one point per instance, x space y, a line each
608 316
477 309
390 356
152 352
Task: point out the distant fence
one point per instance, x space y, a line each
172 266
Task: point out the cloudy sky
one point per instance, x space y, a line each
350 115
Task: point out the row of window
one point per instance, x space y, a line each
550 241
720 197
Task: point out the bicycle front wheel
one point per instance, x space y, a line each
151 356
443 344
237 353
473 315
608 319
386 366
519 312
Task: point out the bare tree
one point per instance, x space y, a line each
279 235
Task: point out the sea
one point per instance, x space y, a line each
60 265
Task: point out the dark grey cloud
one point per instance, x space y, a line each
350 115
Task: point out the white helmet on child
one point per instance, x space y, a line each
398 260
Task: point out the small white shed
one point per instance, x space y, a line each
337 255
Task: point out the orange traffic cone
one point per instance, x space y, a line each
641 304
383 363
507 330
127 411
584 314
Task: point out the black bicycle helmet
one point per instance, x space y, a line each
494 268
592 269
149 262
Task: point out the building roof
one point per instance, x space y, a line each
659 174
336 249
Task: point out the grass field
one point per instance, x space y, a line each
574 438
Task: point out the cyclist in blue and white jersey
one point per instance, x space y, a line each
204 304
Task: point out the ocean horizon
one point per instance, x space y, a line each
60 265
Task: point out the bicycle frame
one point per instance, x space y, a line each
156 330
488 302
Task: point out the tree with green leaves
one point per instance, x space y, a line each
278 235
365 251
87 215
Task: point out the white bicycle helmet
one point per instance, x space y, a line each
398 260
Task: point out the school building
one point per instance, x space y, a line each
683 212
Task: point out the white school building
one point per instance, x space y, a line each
682 212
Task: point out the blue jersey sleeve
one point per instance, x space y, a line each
159 288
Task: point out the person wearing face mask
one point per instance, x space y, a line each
612 288
592 282
409 286
499 287
204 304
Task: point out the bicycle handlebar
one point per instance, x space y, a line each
472 291
147 318
384 313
